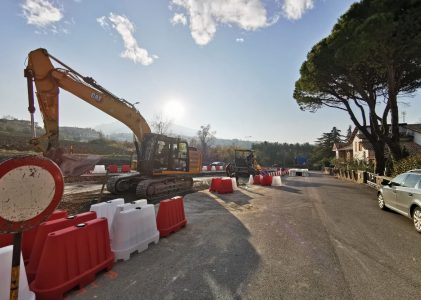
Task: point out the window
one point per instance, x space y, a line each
412 180
398 180
182 150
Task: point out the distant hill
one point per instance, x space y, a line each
115 128
119 132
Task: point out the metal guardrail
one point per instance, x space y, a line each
371 180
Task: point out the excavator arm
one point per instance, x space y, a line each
48 82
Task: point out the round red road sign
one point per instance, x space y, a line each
31 187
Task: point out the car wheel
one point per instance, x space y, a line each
416 216
380 200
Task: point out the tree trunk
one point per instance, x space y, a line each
379 155
394 141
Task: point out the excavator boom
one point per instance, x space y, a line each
48 80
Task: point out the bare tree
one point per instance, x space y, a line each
206 138
160 124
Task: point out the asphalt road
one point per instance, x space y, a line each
315 237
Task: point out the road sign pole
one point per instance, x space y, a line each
14 282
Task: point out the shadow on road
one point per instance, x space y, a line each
239 197
211 258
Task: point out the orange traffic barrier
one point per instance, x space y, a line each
112 169
125 168
28 237
171 217
226 186
71 257
266 180
44 229
215 184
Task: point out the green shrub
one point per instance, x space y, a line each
406 164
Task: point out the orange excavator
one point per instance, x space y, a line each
165 165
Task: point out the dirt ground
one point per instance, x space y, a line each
80 195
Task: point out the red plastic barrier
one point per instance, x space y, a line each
209 168
71 257
44 229
171 217
226 186
28 237
112 168
256 179
266 180
215 184
6 240
125 168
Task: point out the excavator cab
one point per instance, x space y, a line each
161 154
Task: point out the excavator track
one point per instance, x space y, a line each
150 188
161 188
123 183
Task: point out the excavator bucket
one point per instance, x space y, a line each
70 164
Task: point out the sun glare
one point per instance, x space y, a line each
174 110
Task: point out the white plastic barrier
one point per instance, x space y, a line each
133 230
134 204
107 210
299 172
276 181
204 168
99 169
251 180
213 168
6 254
234 184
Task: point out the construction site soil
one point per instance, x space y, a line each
83 191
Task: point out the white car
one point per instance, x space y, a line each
403 195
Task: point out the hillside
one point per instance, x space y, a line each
111 139
15 135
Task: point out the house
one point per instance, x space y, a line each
359 148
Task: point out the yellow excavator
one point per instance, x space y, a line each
165 165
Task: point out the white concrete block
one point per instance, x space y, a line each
133 230
141 202
276 181
6 254
234 184
107 210
99 169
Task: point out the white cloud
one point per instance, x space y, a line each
126 29
204 16
41 13
239 40
294 9
103 21
179 19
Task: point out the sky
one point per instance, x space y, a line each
230 64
